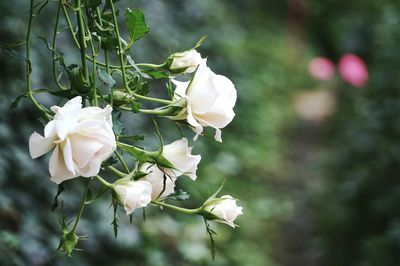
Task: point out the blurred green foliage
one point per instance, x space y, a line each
314 192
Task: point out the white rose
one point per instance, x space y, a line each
180 155
226 209
156 178
187 59
210 100
82 139
133 194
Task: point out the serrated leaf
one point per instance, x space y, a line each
114 223
136 24
211 234
106 78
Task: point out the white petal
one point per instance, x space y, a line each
57 169
201 91
67 154
179 154
90 169
180 90
39 145
84 148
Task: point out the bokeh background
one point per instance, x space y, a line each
315 163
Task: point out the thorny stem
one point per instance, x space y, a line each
82 42
54 47
28 64
121 160
104 182
83 203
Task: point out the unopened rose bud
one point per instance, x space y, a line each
133 194
223 210
186 62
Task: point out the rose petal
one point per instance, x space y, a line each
39 145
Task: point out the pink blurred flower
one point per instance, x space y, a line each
353 70
321 68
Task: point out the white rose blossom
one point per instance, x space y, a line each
226 209
81 139
180 155
156 178
210 100
133 194
188 59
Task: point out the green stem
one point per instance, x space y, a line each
70 27
151 99
197 211
28 64
127 147
83 203
121 160
116 171
54 47
120 50
82 42
165 111
104 182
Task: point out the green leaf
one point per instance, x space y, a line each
140 155
211 234
136 24
156 74
114 222
138 175
106 78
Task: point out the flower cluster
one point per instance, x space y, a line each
85 136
